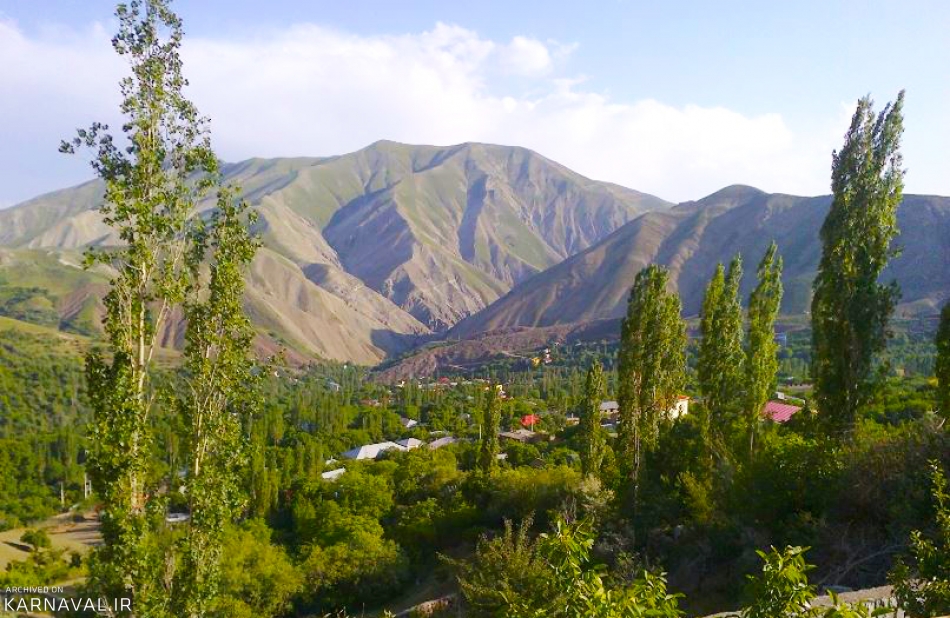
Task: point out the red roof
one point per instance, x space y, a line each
779 412
530 420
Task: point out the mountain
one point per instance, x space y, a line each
691 238
367 252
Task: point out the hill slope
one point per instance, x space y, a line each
367 251
691 238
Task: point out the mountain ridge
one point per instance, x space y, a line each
392 241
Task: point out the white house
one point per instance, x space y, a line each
372 451
332 475
680 408
443 441
410 443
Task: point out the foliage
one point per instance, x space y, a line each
593 440
942 366
720 361
925 590
491 424
582 590
221 396
37 539
505 570
761 361
258 579
850 308
651 366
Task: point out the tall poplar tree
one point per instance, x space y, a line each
721 357
850 308
651 366
761 362
221 395
491 425
593 441
154 182
942 366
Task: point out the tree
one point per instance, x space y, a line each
259 578
942 366
850 308
581 589
221 393
491 424
651 366
720 362
153 187
592 434
37 539
926 591
761 360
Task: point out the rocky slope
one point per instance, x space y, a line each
366 252
691 238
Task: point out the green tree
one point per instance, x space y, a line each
491 425
583 589
258 579
651 366
761 361
593 441
850 308
152 186
167 259
37 539
222 392
720 360
926 591
942 366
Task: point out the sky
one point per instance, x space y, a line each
677 99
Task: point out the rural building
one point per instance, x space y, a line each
410 443
332 474
519 435
443 441
372 451
779 412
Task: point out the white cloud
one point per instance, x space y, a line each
310 90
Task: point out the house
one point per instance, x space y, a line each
679 408
443 441
410 443
408 423
372 451
332 475
779 412
519 435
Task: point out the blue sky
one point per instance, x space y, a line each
677 99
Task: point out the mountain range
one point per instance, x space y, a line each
368 254
363 254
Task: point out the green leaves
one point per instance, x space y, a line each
593 440
761 361
925 591
850 309
491 422
651 364
942 366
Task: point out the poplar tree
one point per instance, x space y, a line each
942 367
651 366
721 357
850 308
154 182
221 394
491 423
592 434
761 360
